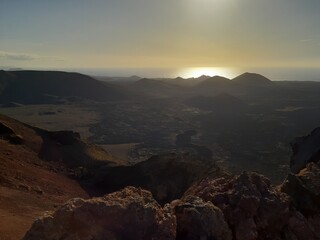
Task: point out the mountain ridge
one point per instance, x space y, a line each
31 86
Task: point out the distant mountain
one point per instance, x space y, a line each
156 87
146 84
33 87
215 81
252 79
213 86
118 80
202 77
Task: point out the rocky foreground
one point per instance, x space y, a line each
244 207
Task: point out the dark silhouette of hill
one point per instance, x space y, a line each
4 79
156 88
216 85
252 79
216 81
245 84
118 80
30 87
203 78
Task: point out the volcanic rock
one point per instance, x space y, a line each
250 205
131 213
304 188
197 219
305 150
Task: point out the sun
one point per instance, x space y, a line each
208 71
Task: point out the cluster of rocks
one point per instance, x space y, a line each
244 207
131 213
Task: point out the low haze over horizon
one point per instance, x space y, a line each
187 38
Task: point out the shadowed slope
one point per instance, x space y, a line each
32 87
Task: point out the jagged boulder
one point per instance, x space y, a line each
131 213
251 206
197 219
300 228
305 150
303 185
304 188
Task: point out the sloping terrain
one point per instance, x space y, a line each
156 88
34 87
41 169
243 207
167 176
252 79
34 177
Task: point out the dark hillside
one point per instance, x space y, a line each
30 87
252 79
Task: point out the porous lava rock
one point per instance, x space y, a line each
251 206
131 213
197 219
304 189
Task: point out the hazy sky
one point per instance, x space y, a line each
159 33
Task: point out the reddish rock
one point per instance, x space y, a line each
252 208
197 219
304 188
299 227
128 214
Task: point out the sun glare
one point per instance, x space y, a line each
208 71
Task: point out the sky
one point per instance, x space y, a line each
195 35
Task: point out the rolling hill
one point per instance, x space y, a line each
252 79
33 87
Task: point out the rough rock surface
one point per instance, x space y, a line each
167 176
305 150
244 207
301 228
197 219
128 214
250 205
304 188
